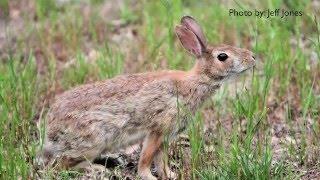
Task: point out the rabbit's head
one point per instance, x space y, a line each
218 63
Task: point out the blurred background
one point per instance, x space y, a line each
264 125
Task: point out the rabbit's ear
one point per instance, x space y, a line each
189 40
193 26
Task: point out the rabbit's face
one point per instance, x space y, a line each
225 61
217 63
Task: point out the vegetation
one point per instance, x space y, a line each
265 125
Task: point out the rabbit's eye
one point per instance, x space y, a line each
222 56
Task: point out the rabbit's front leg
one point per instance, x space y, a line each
151 146
161 164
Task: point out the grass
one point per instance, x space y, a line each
62 46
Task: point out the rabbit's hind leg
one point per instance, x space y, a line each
78 159
89 166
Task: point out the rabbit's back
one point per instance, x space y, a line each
85 97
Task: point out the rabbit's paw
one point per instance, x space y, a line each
172 175
146 175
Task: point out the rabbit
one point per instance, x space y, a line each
115 113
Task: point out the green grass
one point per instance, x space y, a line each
283 89
17 96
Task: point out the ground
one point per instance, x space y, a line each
263 125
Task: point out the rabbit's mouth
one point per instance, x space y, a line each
242 70
238 72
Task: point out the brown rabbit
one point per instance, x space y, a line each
112 114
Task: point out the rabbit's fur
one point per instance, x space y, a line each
111 114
